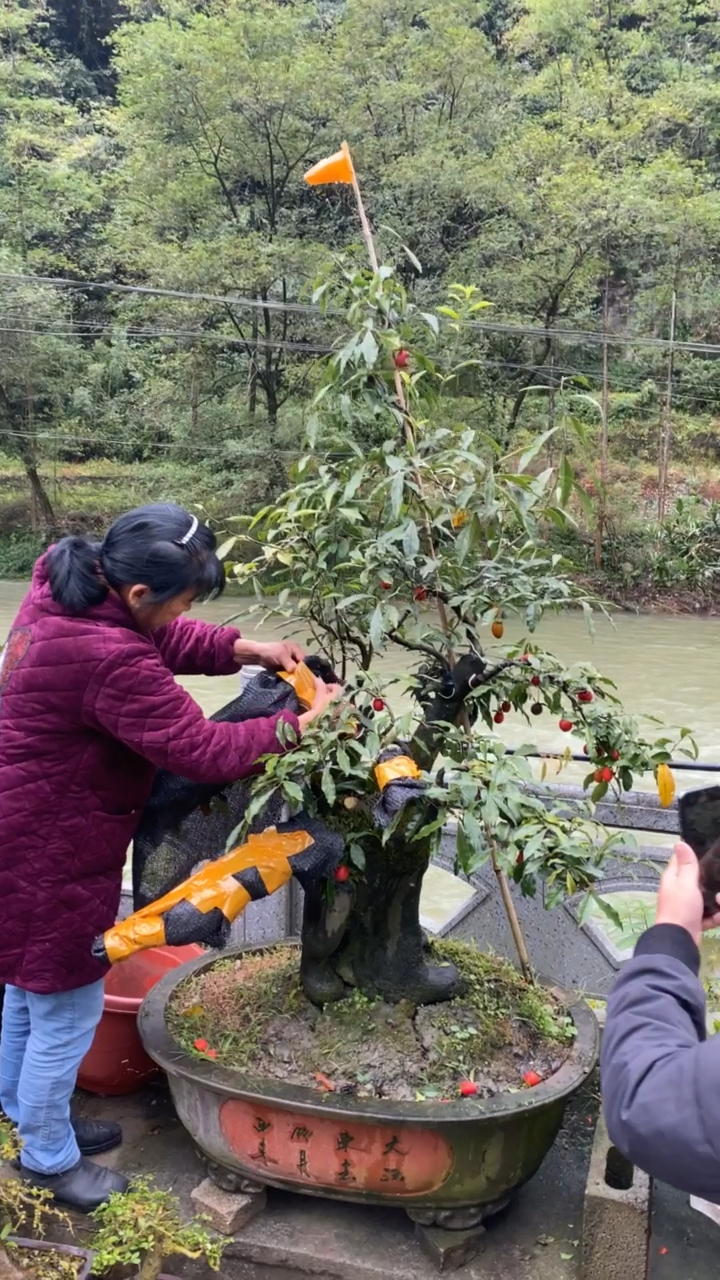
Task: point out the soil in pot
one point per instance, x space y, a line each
250 1014
38 1260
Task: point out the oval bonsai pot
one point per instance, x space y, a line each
421 1155
48 1246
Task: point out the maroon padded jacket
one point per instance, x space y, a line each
89 708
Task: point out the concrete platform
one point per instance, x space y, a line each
537 1238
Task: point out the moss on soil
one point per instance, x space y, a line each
254 1017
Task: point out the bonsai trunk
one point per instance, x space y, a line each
370 937
151 1264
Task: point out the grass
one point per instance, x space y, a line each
252 1015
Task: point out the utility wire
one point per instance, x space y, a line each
272 304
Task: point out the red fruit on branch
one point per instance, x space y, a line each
537 708
498 717
598 775
386 586
585 695
468 1089
566 725
525 658
342 874
420 594
606 774
531 1078
506 706
585 749
520 859
378 704
401 358
535 680
615 755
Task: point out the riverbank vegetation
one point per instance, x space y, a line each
564 161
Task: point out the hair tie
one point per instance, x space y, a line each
182 542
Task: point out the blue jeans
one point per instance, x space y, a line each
44 1040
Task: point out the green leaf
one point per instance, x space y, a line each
368 348
376 627
329 789
396 493
356 854
535 448
292 791
411 540
567 479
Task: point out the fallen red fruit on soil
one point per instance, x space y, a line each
342 874
201 1046
378 704
324 1082
498 717
531 1078
211 1053
566 725
468 1088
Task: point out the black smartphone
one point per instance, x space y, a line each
699 813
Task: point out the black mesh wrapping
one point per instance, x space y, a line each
175 835
396 795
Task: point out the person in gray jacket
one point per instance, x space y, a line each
660 1074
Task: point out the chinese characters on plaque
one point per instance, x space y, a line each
323 1152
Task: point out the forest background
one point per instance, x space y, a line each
562 156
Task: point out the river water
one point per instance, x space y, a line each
666 667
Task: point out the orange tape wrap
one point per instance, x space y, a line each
302 681
391 770
212 886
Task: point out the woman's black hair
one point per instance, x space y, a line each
161 546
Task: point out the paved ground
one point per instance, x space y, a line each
536 1239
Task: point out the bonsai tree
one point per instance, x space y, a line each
142 1227
24 1207
405 527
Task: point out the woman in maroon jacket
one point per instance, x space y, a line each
89 708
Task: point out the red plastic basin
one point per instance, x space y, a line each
116 1062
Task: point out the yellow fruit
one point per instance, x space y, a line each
350 802
665 785
458 520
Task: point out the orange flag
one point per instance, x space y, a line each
335 168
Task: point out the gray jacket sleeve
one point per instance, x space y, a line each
660 1075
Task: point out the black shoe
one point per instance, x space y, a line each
94 1136
84 1187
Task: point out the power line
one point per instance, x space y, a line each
580 336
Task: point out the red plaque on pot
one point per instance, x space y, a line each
348 1155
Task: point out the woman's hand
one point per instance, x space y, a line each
283 655
324 695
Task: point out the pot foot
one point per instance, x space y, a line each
236 1184
463 1219
450 1250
